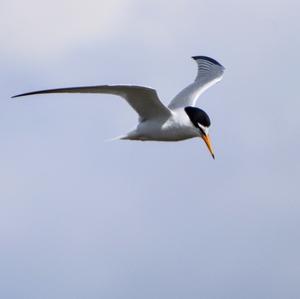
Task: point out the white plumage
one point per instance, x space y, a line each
156 121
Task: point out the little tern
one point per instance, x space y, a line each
179 120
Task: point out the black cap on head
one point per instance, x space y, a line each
197 115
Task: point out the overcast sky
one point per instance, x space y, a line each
85 218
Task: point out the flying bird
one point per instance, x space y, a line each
179 120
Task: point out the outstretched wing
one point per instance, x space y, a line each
209 73
143 100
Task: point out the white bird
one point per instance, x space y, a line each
180 120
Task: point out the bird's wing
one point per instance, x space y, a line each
143 100
209 72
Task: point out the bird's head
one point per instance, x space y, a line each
201 121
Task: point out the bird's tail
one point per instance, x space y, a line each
132 135
121 137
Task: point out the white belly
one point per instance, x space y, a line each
178 127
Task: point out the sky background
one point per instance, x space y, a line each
85 218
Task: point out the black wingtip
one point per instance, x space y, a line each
27 94
207 59
20 95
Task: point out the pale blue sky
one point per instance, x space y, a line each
83 218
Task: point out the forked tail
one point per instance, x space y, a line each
121 137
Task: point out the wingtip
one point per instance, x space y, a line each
207 59
24 94
18 95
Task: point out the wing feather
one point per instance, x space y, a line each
209 73
143 100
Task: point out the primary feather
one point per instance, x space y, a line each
209 73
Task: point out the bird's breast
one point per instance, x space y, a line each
177 127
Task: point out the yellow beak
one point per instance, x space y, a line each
208 143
